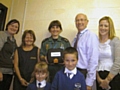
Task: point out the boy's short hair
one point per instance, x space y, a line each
70 50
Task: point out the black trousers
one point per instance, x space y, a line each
5 84
83 71
114 84
53 69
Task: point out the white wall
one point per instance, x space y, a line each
37 14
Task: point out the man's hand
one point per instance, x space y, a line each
89 88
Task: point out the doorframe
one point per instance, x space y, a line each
3 14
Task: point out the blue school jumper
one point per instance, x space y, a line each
32 86
62 82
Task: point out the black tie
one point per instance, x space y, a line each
39 84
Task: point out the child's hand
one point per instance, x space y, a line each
24 82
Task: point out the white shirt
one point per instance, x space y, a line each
105 57
43 83
73 72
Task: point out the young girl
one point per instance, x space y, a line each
40 78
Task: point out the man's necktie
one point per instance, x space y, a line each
75 44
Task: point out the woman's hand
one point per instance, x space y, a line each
104 84
23 82
1 76
99 80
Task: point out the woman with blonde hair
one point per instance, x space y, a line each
109 56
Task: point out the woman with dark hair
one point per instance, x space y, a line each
55 41
26 56
7 48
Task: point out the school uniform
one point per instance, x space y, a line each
75 81
36 85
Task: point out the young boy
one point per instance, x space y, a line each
69 78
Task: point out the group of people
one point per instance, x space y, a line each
89 58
